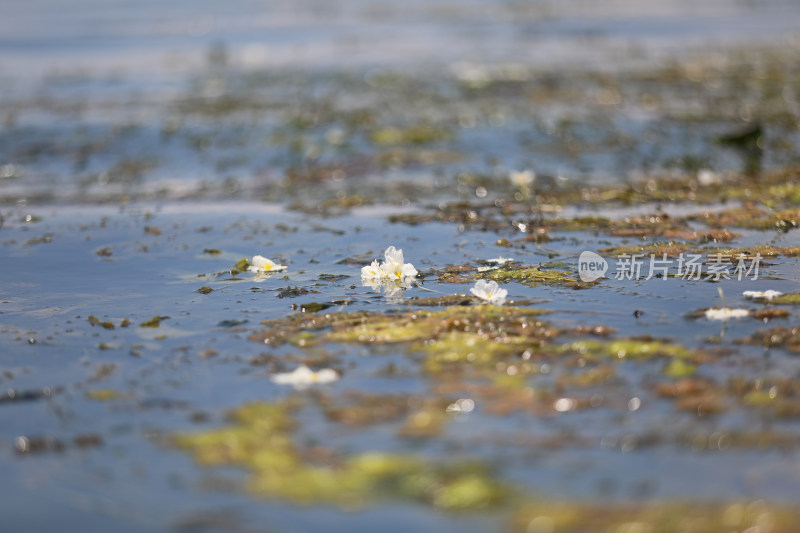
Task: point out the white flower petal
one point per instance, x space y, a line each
522 179
408 271
262 264
725 313
372 271
392 271
762 295
393 256
303 376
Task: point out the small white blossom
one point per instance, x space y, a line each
464 405
707 177
489 291
725 313
302 377
522 179
762 295
262 264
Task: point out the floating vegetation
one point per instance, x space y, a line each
664 517
645 348
153 322
294 292
532 276
260 439
786 299
103 395
418 134
538 275
94 321
787 338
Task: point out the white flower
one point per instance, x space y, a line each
394 268
707 177
489 291
522 179
725 313
302 377
372 272
762 295
262 264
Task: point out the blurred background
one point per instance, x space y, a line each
119 101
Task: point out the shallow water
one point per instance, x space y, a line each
146 149
166 380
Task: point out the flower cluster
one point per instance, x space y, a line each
393 275
393 268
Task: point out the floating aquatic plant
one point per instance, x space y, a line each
768 295
261 264
393 268
393 275
259 438
302 377
489 291
725 313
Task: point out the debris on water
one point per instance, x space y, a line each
103 395
28 395
153 322
94 321
231 323
293 292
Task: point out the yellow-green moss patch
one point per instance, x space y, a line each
259 439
